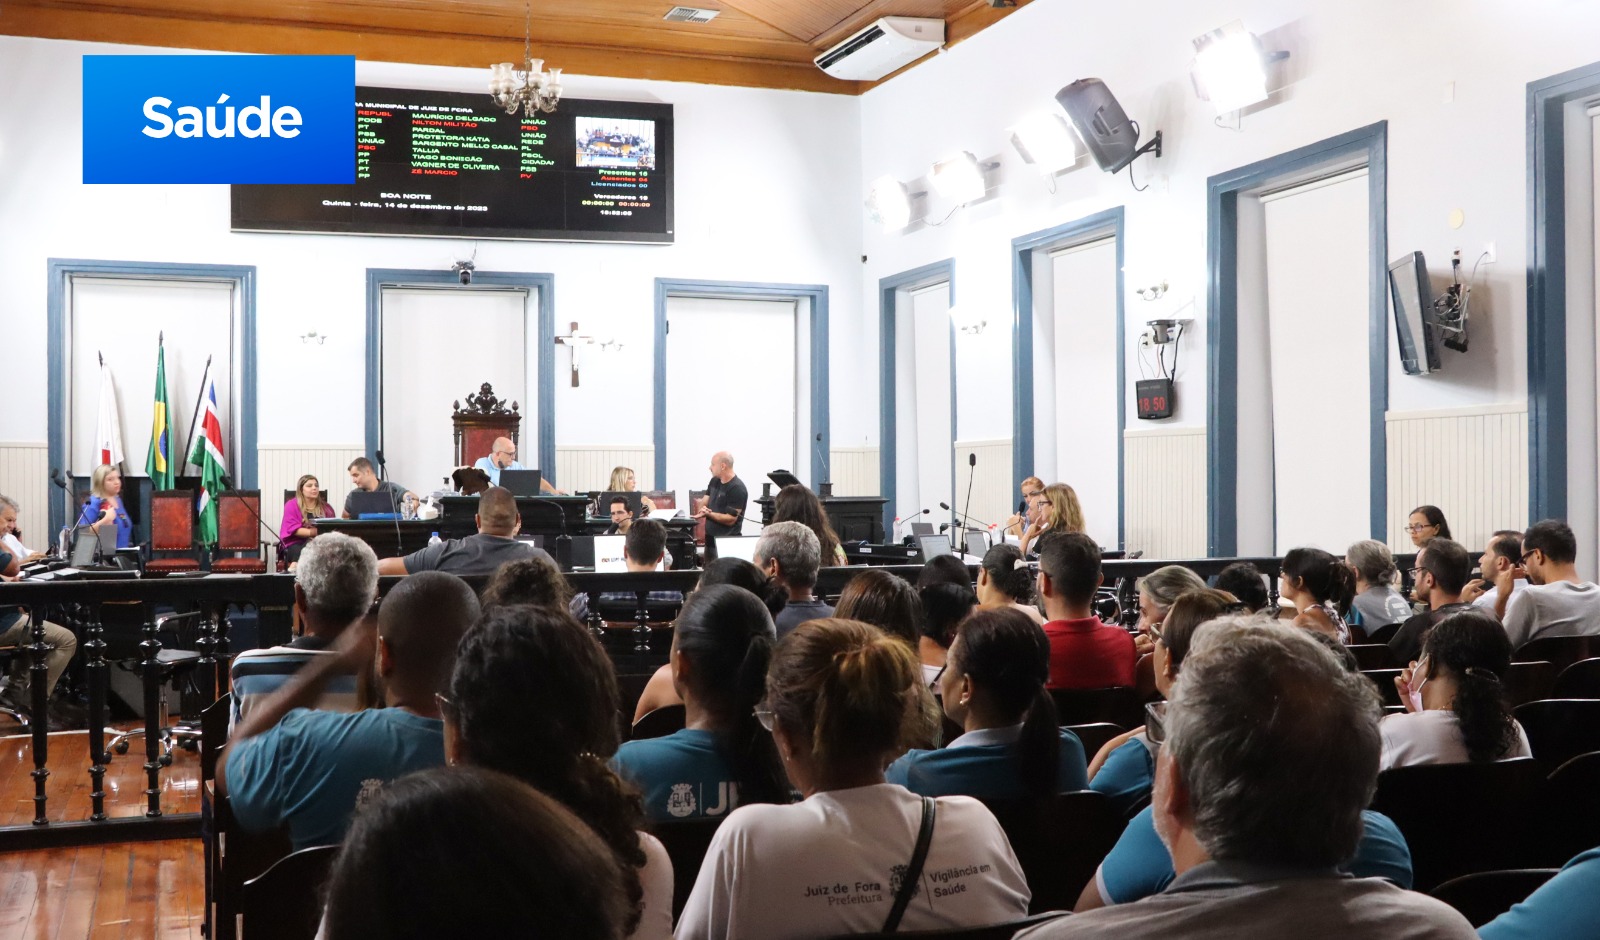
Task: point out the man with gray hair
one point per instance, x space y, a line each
790 554
1271 753
16 630
334 586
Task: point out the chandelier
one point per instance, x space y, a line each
532 88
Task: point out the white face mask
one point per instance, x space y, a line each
1416 685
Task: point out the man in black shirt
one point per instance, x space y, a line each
726 497
1442 570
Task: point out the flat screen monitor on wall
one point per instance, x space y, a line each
1413 314
436 163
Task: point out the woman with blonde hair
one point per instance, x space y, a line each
300 516
1032 489
105 505
1061 513
839 697
624 481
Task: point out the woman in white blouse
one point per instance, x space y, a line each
841 698
1454 698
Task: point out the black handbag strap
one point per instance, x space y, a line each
913 875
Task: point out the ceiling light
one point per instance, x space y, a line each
1045 140
889 203
959 178
532 88
1230 68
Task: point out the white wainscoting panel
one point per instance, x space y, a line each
25 477
994 493
854 471
1165 491
580 468
280 467
1470 462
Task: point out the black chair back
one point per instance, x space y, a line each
1464 818
1560 729
988 932
1529 682
1118 705
285 901
1373 655
1095 735
214 734
1579 680
1384 633
1483 896
1561 650
668 719
1384 680
1059 842
686 842
1574 810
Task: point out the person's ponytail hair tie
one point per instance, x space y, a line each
1481 674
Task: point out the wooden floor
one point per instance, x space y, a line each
150 889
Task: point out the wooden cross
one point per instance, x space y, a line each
572 341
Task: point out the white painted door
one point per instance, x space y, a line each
122 319
1085 387
923 418
1317 284
731 386
438 347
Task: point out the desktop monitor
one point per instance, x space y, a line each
90 548
532 538
521 482
380 504
1414 314
737 546
933 545
604 498
921 528
977 542
582 551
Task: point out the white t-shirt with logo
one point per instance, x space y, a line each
1432 737
830 865
1559 609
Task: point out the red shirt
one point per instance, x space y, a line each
1087 654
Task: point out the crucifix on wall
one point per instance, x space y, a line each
572 341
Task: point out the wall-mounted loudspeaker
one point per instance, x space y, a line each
1112 139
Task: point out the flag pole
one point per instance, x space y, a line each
198 400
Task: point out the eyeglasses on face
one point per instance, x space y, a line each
1414 528
1523 558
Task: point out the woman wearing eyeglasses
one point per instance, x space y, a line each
1032 489
721 644
1425 524
530 661
1125 768
1455 699
840 698
993 686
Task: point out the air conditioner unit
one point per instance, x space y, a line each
882 47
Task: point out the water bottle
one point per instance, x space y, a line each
435 540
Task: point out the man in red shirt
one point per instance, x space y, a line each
1084 653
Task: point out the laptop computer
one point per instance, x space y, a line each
933 545
583 551
604 498
921 528
737 546
608 554
532 538
89 548
977 542
374 505
521 482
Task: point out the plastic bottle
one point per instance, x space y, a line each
435 540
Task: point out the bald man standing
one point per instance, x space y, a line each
726 497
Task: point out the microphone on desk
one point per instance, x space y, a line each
383 465
972 474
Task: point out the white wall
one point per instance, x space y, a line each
1449 78
790 215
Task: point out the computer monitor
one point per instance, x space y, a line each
933 546
608 553
532 538
379 503
737 546
921 528
604 499
583 551
522 482
783 478
90 548
977 542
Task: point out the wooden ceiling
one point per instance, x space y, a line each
757 43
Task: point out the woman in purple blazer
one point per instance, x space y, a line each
300 517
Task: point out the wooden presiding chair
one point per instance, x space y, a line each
171 533
477 425
239 532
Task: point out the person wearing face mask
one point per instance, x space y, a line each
1454 698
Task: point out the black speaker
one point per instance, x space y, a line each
1112 139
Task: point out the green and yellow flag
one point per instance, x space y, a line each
158 463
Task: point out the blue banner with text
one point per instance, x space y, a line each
219 119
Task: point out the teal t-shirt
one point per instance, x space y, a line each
1562 909
1127 776
682 775
1139 865
314 768
983 764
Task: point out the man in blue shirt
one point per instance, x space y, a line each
502 456
310 770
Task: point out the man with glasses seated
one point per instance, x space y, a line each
503 456
1443 567
1556 601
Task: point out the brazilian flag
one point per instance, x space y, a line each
158 464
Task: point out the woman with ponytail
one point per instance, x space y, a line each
534 696
1455 703
1005 581
993 686
840 694
1321 588
721 644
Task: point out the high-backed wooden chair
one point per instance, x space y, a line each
171 533
478 424
239 533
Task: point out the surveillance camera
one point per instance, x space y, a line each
463 271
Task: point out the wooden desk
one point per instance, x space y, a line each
389 538
541 515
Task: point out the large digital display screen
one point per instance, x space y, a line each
434 163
